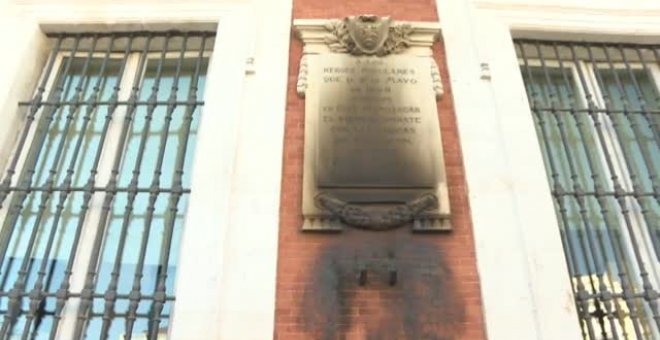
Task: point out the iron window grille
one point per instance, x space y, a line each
93 196
596 107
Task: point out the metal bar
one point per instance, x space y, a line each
63 291
599 193
118 189
605 193
571 146
87 293
14 302
30 163
647 70
596 253
36 295
642 146
120 296
540 121
596 109
119 315
633 174
134 295
585 246
97 295
617 124
70 117
640 96
136 34
645 203
114 276
569 154
128 102
170 219
153 196
33 108
581 292
625 277
580 43
607 296
35 298
653 124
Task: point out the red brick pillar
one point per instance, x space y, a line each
318 295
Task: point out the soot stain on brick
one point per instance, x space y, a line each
326 299
423 304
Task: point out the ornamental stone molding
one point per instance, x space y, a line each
367 35
373 157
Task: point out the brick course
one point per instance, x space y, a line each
437 293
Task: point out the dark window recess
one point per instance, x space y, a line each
597 112
93 197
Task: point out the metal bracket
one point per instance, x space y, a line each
393 276
362 274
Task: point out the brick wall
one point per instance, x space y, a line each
318 296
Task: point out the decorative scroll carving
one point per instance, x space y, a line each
301 85
367 35
437 80
374 217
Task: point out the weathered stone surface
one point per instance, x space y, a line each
375 122
373 152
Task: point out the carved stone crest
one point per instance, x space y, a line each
368 32
368 35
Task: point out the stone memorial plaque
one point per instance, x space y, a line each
374 128
373 153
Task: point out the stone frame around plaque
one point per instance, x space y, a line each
331 205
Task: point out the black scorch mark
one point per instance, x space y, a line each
421 304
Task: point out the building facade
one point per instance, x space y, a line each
152 157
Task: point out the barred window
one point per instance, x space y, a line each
597 112
94 194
